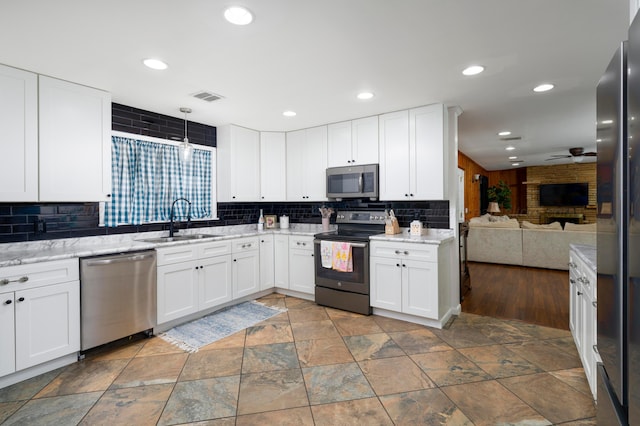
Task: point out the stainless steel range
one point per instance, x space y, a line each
348 290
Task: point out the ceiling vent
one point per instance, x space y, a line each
512 138
207 96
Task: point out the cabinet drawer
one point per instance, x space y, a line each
245 244
216 248
38 274
301 242
423 252
170 255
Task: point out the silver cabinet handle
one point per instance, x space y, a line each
406 253
595 303
398 252
19 280
572 265
595 349
572 281
356 245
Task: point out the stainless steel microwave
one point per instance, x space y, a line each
353 182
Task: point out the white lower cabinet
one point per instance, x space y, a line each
192 278
405 277
583 315
281 260
246 267
39 313
267 262
301 264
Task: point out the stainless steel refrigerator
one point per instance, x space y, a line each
618 300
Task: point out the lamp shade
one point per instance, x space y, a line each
493 207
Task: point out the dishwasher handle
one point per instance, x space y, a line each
130 258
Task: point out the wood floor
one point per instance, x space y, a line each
534 295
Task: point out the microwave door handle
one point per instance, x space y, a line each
360 184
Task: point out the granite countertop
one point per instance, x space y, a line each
588 254
429 236
46 250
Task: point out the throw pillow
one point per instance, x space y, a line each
552 226
585 227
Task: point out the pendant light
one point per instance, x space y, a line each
186 149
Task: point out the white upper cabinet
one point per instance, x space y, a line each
353 142
74 142
412 154
19 124
307 164
273 165
238 154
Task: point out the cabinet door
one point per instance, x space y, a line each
339 152
295 165
177 291
246 273
420 288
589 319
214 280
7 331
573 299
267 262
47 323
19 142
315 170
302 275
75 142
281 261
386 283
426 141
364 140
273 176
394 156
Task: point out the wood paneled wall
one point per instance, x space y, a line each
524 198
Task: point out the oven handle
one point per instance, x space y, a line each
360 183
356 245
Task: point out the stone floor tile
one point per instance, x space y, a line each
394 375
391 325
367 411
158 346
129 406
322 352
236 340
291 417
538 331
502 332
28 388
449 368
212 363
59 410
574 377
337 382
151 370
419 341
337 314
312 330
84 376
357 326
8 408
423 407
499 361
278 356
461 336
264 334
202 400
272 390
551 397
282 318
490 403
546 355
296 303
311 313
372 346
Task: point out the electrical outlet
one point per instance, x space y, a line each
40 226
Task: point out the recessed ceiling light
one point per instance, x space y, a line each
510 148
543 87
365 95
505 133
515 164
512 157
238 15
289 113
607 121
155 64
473 70
598 140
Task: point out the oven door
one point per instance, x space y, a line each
356 281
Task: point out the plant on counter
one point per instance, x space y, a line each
501 194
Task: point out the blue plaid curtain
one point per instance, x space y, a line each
148 176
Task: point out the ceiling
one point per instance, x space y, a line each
314 56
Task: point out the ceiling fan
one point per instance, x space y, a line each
576 154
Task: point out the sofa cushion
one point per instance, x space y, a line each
510 223
585 227
554 225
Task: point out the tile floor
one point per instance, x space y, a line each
314 365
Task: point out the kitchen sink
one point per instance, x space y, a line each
179 238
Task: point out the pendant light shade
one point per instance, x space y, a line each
186 149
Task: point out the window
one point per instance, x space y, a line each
147 176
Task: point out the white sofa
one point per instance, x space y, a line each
539 247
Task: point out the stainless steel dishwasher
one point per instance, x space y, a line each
117 296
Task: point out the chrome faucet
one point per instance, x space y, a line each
172 216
